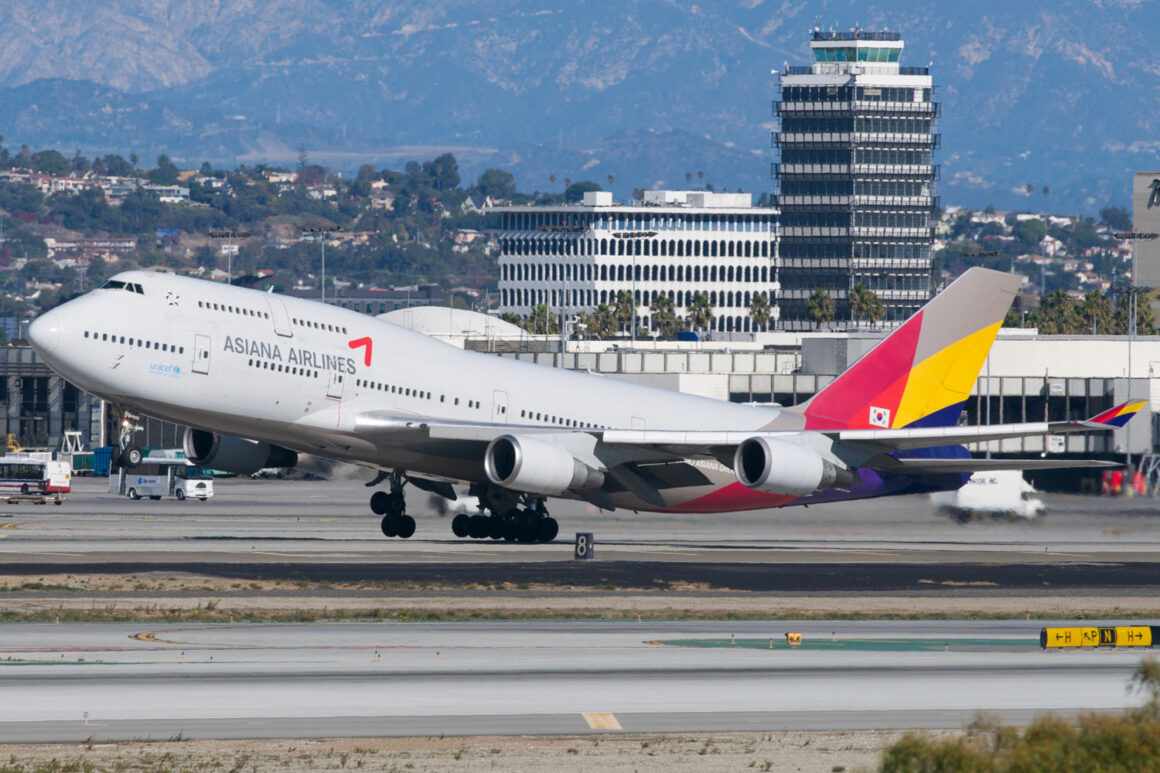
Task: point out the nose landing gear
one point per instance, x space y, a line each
393 507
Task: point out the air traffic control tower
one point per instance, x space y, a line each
855 181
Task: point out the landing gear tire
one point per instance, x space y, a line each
479 527
406 526
131 457
389 526
460 525
548 529
380 503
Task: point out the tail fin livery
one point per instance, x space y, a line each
922 373
1118 416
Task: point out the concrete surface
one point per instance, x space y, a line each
72 682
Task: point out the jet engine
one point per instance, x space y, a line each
234 454
523 463
772 465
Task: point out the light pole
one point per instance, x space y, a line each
229 236
572 229
321 232
631 237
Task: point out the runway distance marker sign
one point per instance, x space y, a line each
585 546
1082 637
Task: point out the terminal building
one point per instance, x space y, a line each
572 258
855 180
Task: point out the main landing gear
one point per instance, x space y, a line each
393 507
512 518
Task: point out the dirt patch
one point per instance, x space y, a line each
249 606
651 753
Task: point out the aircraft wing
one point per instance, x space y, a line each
612 448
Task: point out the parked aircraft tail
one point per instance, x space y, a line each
921 374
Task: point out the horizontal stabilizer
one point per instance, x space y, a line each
944 466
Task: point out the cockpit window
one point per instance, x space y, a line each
116 284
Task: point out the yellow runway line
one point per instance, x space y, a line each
601 720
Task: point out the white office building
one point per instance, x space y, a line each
572 258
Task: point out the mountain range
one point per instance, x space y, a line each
1059 97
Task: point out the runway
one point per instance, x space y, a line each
73 682
324 530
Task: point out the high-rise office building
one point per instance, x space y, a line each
856 176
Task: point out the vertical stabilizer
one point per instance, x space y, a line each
922 373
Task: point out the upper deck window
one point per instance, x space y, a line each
116 284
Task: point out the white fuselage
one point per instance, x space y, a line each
301 374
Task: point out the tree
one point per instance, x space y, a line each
1031 231
165 173
444 172
865 305
1059 314
1098 315
542 321
1145 324
623 309
1116 218
760 311
820 308
699 312
116 166
599 323
575 192
497 184
664 318
51 162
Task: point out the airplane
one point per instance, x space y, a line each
259 378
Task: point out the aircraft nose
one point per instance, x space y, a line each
44 332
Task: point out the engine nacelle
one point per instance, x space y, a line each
767 464
234 454
523 463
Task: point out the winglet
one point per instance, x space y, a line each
1118 416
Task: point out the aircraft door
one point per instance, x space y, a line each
499 407
279 316
334 387
201 349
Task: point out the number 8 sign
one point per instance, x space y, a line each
585 546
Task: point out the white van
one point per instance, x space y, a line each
157 478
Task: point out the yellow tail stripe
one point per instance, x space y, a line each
946 377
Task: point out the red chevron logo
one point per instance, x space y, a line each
363 343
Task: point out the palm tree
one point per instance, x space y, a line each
664 318
623 309
699 312
542 321
865 304
820 307
605 320
759 311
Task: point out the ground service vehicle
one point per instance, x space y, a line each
157 478
38 479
